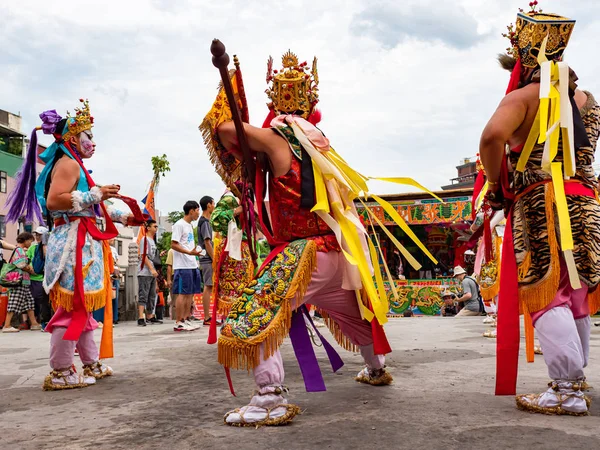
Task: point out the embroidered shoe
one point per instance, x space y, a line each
97 370
561 398
267 407
66 379
374 377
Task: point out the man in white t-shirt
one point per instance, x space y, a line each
186 281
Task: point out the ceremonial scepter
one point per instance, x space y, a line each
220 60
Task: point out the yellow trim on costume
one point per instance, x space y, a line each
337 185
63 297
409 182
555 117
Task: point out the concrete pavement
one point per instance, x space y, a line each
169 391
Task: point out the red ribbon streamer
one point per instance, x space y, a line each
507 342
515 77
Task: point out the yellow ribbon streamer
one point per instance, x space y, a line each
409 182
550 123
403 225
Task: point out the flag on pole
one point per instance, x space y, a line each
149 209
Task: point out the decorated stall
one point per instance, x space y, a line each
444 228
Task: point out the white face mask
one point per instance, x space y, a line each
88 147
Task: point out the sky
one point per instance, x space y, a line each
405 87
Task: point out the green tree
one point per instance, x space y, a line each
160 166
174 216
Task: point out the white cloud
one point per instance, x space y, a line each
414 108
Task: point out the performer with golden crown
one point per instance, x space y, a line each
78 257
546 184
321 254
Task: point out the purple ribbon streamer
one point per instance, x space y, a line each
305 354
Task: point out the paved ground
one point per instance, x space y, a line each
169 391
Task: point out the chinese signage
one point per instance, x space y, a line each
424 212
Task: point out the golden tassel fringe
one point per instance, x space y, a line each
537 296
337 333
524 267
218 114
490 292
245 354
62 297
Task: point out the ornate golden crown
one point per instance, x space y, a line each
80 122
530 31
294 89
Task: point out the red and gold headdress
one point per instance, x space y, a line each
82 120
294 88
531 29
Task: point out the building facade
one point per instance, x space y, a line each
12 149
466 174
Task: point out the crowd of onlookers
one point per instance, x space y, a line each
188 273
189 269
22 276
28 304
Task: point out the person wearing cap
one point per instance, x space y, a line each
449 308
470 293
43 312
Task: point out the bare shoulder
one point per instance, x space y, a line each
524 95
67 166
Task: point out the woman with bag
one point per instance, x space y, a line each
16 276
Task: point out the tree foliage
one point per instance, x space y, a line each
160 165
174 216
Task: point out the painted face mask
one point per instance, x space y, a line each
87 144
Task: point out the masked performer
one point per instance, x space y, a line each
78 257
545 179
320 251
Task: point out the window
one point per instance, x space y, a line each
2 181
2 227
120 247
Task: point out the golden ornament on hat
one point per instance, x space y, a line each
531 29
294 89
82 120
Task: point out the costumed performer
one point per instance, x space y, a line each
320 251
545 181
78 263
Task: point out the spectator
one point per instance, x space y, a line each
6 246
205 235
449 307
186 281
19 297
172 296
116 280
41 299
470 294
147 276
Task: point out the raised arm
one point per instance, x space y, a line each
262 140
506 120
63 197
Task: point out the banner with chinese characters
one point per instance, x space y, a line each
424 212
422 297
